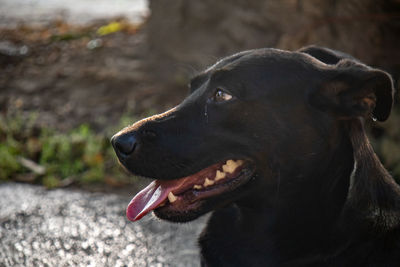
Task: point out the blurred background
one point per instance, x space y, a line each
74 72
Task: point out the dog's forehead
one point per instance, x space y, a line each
258 68
260 73
262 57
265 62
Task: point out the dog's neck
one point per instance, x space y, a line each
304 219
302 195
374 196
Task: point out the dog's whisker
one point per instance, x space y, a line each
206 113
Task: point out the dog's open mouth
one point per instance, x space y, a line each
184 194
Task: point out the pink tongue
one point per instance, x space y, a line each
150 198
157 192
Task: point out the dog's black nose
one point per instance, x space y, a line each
124 143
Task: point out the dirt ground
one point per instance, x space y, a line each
70 75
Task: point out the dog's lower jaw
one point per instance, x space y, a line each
241 187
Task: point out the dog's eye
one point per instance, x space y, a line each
221 96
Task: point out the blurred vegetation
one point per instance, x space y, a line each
40 155
66 32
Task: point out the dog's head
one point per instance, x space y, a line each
247 114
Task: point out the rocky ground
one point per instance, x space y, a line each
78 228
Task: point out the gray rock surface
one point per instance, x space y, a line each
77 228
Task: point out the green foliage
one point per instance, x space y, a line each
51 181
79 155
9 147
8 162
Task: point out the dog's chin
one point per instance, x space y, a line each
185 199
193 203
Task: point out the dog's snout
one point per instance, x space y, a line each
124 144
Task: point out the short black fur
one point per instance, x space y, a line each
319 195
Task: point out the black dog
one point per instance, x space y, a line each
273 141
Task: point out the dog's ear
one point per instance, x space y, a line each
326 55
354 90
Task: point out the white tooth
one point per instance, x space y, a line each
196 186
240 162
171 197
230 166
208 182
231 162
219 175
